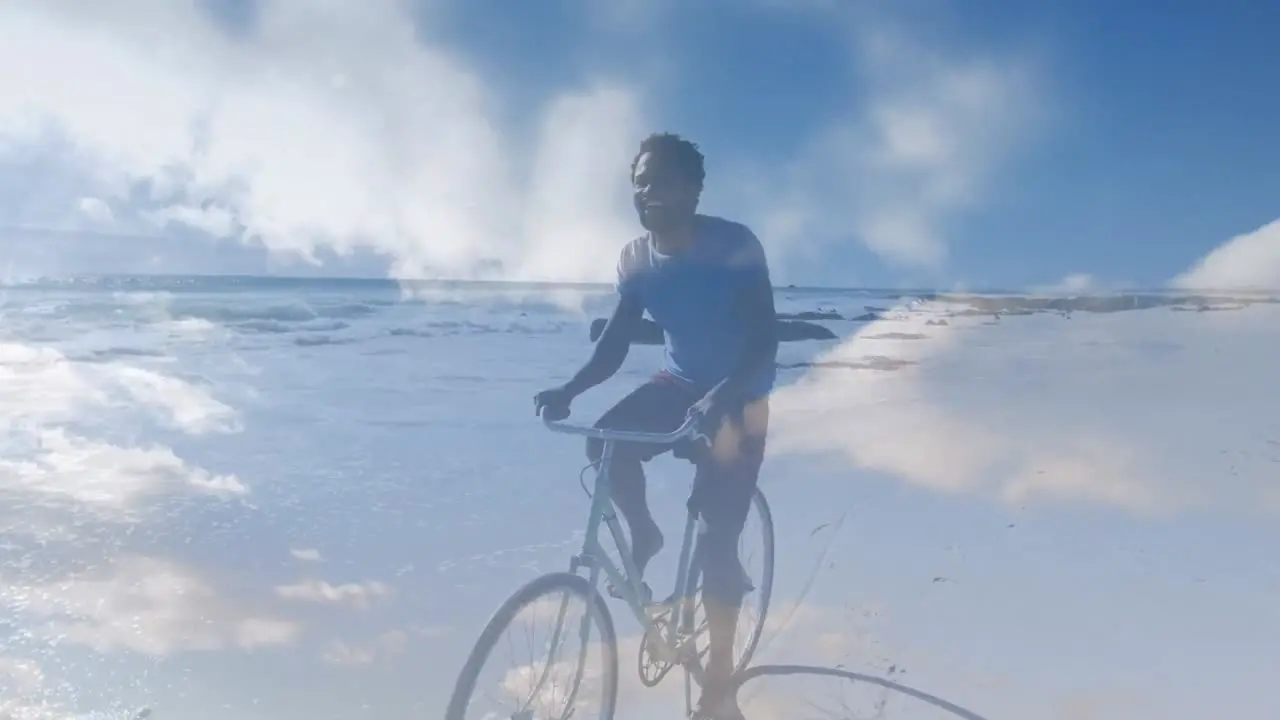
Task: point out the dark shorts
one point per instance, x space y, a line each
727 472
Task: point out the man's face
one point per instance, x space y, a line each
664 199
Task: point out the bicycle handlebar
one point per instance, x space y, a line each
689 428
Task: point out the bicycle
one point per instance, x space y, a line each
669 638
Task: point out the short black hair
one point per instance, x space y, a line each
683 153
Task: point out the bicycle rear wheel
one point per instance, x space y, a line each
755 606
581 694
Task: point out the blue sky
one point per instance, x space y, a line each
881 144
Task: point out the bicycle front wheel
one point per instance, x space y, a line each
559 679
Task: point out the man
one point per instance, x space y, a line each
705 280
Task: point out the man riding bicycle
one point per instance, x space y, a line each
705 281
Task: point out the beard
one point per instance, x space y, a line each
665 217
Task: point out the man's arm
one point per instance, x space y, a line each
755 307
647 332
611 350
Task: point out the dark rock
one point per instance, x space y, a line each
649 333
792 330
810 315
1022 305
872 362
1206 308
897 336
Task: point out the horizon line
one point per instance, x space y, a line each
586 284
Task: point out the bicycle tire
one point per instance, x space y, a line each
761 506
530 593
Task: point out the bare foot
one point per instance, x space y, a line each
644 545
718 702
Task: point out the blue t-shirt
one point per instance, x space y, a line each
692 296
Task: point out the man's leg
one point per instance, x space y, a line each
727 482
658 406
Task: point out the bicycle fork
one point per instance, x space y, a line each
600 502
584 634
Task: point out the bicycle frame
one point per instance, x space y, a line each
670 628
593 555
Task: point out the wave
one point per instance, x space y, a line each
274 326
198 283
318 340
118 353
312 312
396 288
467 327
393 288
298 312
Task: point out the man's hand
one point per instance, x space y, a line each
709 411
553 404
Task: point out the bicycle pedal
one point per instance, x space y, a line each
656 609
660 655
646 593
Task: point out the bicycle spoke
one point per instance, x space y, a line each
558 676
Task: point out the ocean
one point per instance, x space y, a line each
270 498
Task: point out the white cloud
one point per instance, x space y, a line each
142 604
213 220
21 674
96 210
576 194
385 646
360 135
329 125
1152 411
1074 283
1250 261
187 406
42 386
307 555
936 127
106 476
357 595
50 408
22 683
388 644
